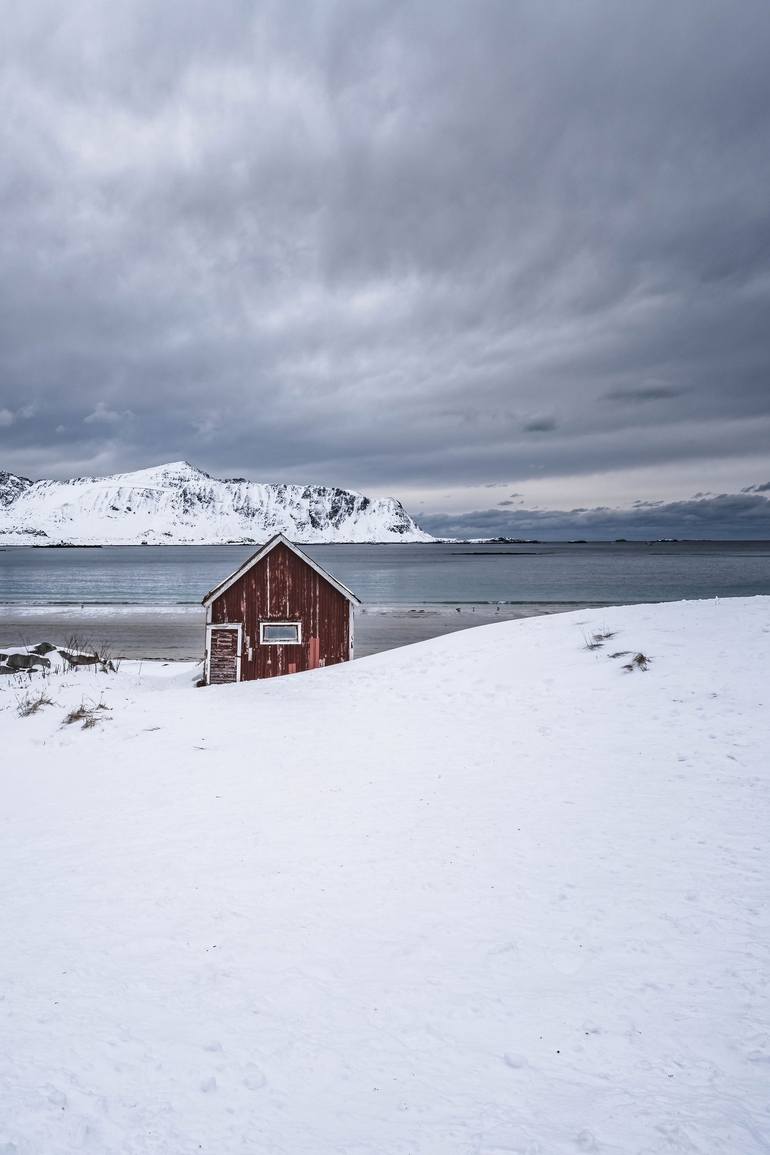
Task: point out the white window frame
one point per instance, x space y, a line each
268 642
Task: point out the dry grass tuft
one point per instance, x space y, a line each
598 638
89 715
31 703
638 662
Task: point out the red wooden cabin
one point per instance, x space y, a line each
279 613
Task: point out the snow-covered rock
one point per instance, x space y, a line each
177 503
45 658
491 893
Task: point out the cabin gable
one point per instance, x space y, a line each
292 617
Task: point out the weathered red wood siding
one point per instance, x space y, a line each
282 587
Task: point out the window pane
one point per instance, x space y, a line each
282 633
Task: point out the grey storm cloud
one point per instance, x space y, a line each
384 244
741 516
642 393
542 424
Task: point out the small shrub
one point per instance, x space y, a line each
108 663
80 652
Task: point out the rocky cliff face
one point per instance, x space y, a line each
11 487
179 504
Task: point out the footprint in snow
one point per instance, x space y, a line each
585 1141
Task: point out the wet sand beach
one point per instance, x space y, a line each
176 633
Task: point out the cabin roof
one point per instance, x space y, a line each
261 553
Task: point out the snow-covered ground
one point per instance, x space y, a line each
490 893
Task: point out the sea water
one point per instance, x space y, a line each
589 573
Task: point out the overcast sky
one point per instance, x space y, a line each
498 259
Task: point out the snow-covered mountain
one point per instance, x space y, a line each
177 503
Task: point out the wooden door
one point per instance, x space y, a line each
224 654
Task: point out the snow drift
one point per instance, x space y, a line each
179 504
489 893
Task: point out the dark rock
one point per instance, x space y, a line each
26 661
80 659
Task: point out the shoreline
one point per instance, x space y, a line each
176 632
